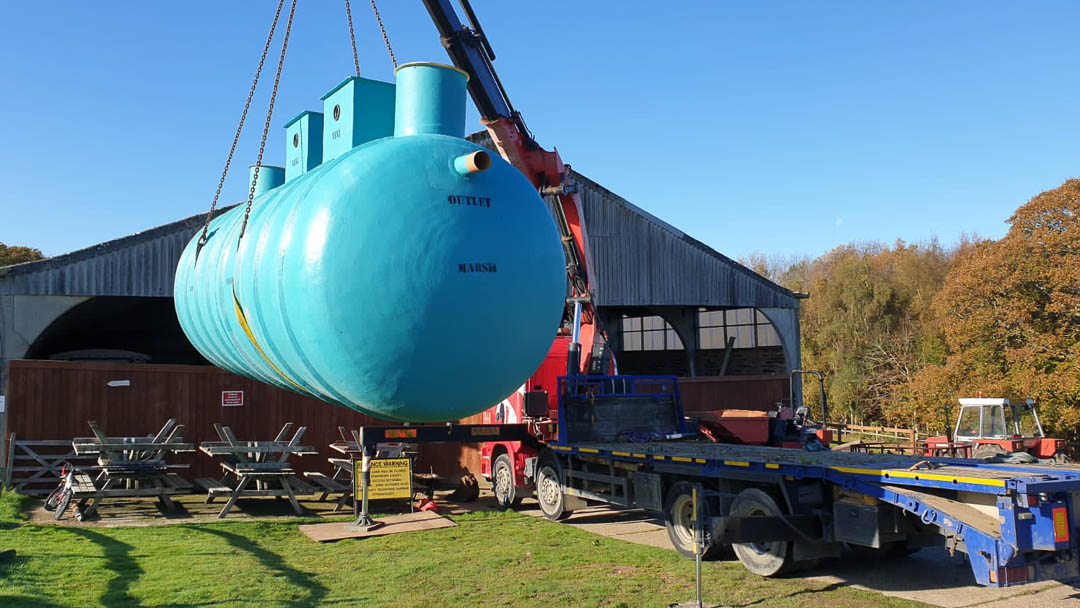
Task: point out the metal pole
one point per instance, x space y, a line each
698 540
364 521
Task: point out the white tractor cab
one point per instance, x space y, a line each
993 427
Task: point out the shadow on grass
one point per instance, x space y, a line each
19 601
273 561
794 594
118 559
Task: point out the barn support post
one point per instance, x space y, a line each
786 323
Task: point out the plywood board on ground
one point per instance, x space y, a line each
394 524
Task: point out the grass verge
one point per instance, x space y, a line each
489 559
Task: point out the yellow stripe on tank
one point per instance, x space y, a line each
247 331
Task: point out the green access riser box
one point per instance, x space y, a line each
356 111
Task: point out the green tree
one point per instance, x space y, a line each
13 254
867 321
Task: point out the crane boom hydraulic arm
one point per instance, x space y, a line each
470 51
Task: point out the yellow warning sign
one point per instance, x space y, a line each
390 478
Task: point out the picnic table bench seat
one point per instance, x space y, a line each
327 485
256 468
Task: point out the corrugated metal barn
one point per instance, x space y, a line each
669 303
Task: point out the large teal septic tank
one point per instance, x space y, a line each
413 278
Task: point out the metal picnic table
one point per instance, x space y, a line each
130 466
266 463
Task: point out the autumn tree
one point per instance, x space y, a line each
866 323
1010 315
13 254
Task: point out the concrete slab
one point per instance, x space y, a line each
394 524
931 576
934 577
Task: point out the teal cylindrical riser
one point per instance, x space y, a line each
270 177
430 100
384 281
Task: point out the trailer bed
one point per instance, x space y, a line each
945 473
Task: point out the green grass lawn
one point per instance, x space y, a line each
489 559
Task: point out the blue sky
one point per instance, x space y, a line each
781 127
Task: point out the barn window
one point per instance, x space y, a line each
748 326
649 333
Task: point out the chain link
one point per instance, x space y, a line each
266 125
352 38
240 127
385 38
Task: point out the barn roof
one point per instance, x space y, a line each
639 260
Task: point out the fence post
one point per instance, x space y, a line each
7 463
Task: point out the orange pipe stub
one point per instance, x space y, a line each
473 162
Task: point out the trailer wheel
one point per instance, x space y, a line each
767 558
502 481
678 518
549 491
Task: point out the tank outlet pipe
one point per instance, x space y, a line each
473 162
429 100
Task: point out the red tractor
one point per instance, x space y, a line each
996 428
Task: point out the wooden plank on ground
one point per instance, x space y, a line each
394 524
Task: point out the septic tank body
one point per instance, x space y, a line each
412 278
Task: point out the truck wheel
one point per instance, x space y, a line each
1062 458
549 491
767 558
502 481
678 518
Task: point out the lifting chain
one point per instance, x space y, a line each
385 38
240 127
352 38
266 125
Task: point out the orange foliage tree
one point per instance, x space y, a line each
1010 314
12 254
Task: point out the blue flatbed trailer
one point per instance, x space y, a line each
1016 523
624 441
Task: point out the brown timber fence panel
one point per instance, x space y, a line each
758 393
53 400
904 439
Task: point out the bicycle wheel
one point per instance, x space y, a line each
62 506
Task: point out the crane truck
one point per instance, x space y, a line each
577 433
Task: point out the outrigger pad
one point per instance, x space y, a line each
408 522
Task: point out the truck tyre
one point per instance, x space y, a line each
767 558
678 518
502 482
549 490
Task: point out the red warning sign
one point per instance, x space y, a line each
232 398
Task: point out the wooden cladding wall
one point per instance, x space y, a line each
760 393
55 399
